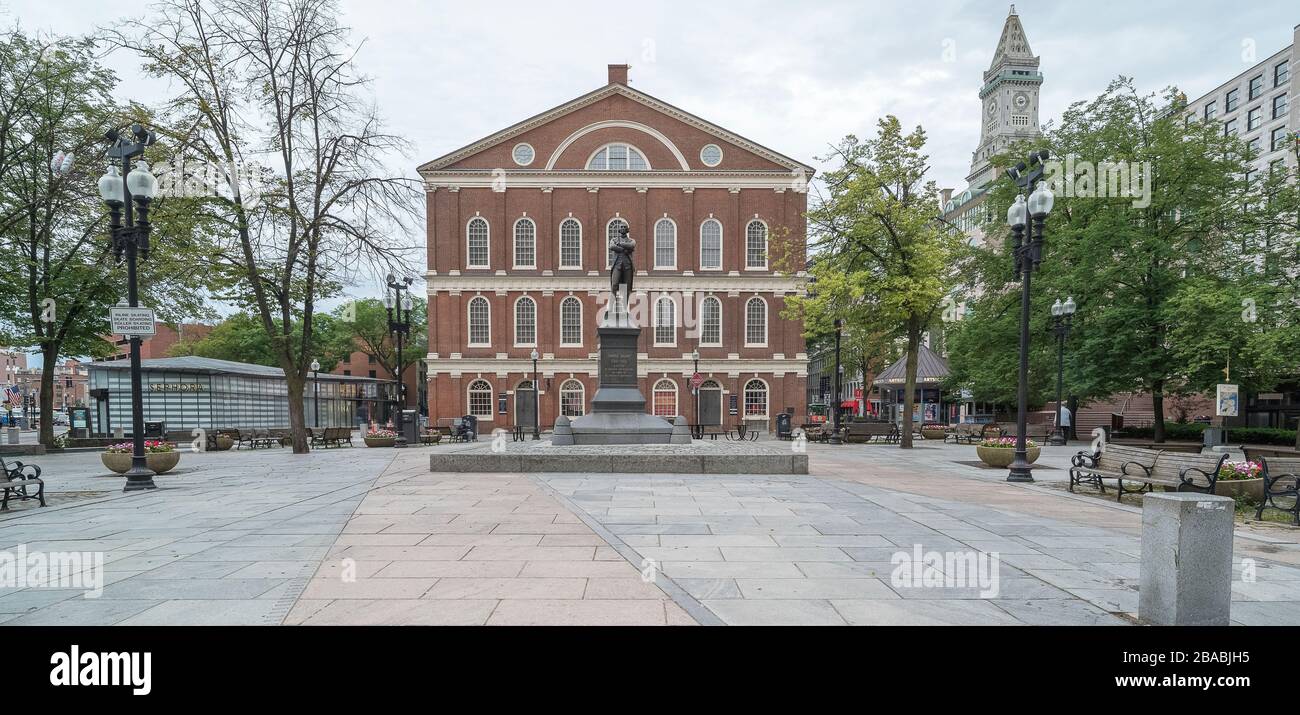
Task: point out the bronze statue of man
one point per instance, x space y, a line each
621 270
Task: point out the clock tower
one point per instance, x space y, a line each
1010 100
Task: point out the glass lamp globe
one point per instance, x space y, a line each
406 301
1017 212
110 185
1040 202
315 365
1057 308
141 183
1070 306
533 355
388 300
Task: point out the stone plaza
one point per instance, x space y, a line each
372 536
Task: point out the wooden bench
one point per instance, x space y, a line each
1281 481
1149 467
1039 432
886 432
330 436
18 477
970 433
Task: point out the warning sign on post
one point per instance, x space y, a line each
135 322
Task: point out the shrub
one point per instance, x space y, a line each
1240 470
1192 432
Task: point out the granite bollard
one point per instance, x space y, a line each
1186 571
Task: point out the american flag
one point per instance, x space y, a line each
13 396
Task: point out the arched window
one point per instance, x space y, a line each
756 244
571 321
756 398
612 229
711 321
665 398
480 399
572 399
570 243
525 243
476 238
618 157
525 322
665 243
756 322
480 322
711 245
665 321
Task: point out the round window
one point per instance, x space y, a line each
711 155
524 154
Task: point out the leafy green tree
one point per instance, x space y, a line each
242 338
1142 266
881 261
363 325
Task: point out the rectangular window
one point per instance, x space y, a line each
1279 106
1281 73
1278 139
1256 85
1211 110
1230 128
1254 118
1253 146
1230 102
1019 120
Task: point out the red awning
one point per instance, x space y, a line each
849 404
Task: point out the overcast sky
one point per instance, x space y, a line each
794 76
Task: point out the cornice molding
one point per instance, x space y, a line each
731 285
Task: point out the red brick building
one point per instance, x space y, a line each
517 229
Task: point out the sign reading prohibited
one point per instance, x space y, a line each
132 322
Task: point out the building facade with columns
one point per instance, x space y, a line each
518 226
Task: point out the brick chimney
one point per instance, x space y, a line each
618 74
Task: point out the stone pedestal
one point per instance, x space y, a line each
618 413
1186 570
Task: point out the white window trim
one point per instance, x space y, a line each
766 321
767 401
655 321
492 402
720 326
469 322
515 315
655 245
581 325
587 164
582 393
514 244
516 148
767 243
607 225
560 244
677 397
721 244
487 223
721 155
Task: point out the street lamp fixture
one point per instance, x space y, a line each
835 407
537 399
129 239
695 391
1028 254
315 390
399 298
1062 315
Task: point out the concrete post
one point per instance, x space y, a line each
1186 559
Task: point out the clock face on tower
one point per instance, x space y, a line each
1021 100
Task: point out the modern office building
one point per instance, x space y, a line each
518 225
193 392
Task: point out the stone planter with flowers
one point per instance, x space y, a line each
1241 479
1001 451
380 438
161 457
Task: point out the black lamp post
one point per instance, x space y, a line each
315 390
1028 253
1062 314
537 399
835 406
130 238
399 299
695 392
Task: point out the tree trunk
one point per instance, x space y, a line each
1158 411
297 417
49 359
909 385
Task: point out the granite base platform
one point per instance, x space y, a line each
699 457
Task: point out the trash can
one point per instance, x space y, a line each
154 429
783 426
410 426
1215 436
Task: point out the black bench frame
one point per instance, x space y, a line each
1277 469
16 482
